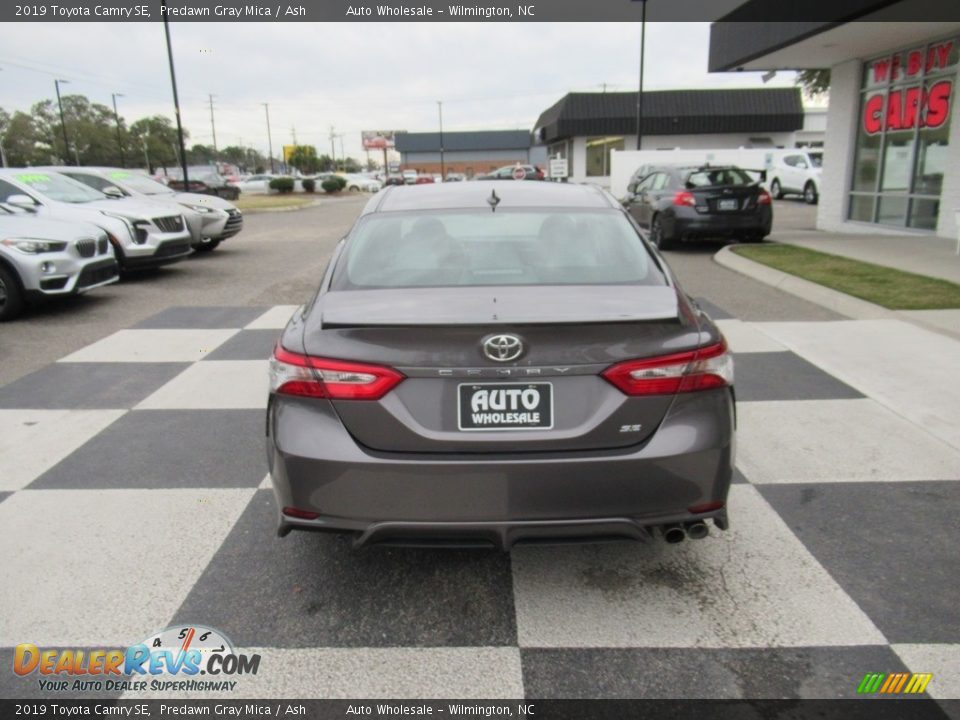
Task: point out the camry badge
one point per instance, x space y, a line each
503 348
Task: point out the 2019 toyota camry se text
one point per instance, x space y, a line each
494 363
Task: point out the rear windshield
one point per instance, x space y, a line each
508 247
718 177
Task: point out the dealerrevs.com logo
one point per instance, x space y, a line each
191 658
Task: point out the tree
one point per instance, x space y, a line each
201 155
304 158
814 82
350 165
22 142
244 158
156 138
90 129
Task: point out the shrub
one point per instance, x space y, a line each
341 181
331 185
309 185
282 184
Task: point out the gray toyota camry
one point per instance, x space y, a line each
486 364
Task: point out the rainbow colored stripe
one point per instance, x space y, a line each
894 683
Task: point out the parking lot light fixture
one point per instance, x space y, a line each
266 107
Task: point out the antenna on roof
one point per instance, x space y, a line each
493 200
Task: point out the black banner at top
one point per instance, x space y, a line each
761 11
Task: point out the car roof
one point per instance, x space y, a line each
512 194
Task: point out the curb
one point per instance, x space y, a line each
841 303
257 211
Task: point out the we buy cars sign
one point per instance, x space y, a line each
910 106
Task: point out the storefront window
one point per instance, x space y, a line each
598 154
903 135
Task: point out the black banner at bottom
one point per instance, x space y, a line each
865 709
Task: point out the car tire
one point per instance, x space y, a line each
207 246
776 190
656 235
11 296
753 238
810 195
354 188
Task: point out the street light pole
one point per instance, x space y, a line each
116 116
176 99
266 107
643 47
63 122
213 128
443 172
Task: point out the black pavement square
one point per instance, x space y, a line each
315 590
167 449
4 496
714 311
74 386
785 376
247 345
622 673
888 546
202 317
738 477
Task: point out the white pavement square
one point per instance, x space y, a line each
276 318
214 385
755 585
941 660
377 673
743 337
116 561
837 441
910 370
152 346
33 441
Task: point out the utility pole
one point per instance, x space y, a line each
333 150
443 173
343 155
63 122
116 116
146 155
213 128
266 107
176 99
643 47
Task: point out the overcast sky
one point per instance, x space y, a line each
353 76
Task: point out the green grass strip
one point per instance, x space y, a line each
887 287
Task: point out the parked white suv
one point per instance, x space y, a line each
796 172
142 234
210 219
48 258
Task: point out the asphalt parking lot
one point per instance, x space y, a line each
141 502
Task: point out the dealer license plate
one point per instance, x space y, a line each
505 406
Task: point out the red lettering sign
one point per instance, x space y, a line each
907 108
888 69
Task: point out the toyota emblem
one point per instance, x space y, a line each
503 348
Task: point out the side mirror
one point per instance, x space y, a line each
24 202
632 188
112 191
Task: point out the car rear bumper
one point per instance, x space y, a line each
689 224
499 499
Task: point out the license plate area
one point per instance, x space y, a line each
728 204
504 406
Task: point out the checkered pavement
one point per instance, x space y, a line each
133 497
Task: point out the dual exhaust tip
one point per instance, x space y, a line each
696 530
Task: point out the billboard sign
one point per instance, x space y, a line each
377 139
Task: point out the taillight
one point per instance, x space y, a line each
706 507
300 514
683 197
305 376
702 369
763 198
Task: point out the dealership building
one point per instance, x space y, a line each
892 147
585 128
470 153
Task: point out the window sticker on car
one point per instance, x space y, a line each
118 175
33 178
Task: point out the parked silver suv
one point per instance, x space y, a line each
46 258
142 234
211 219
